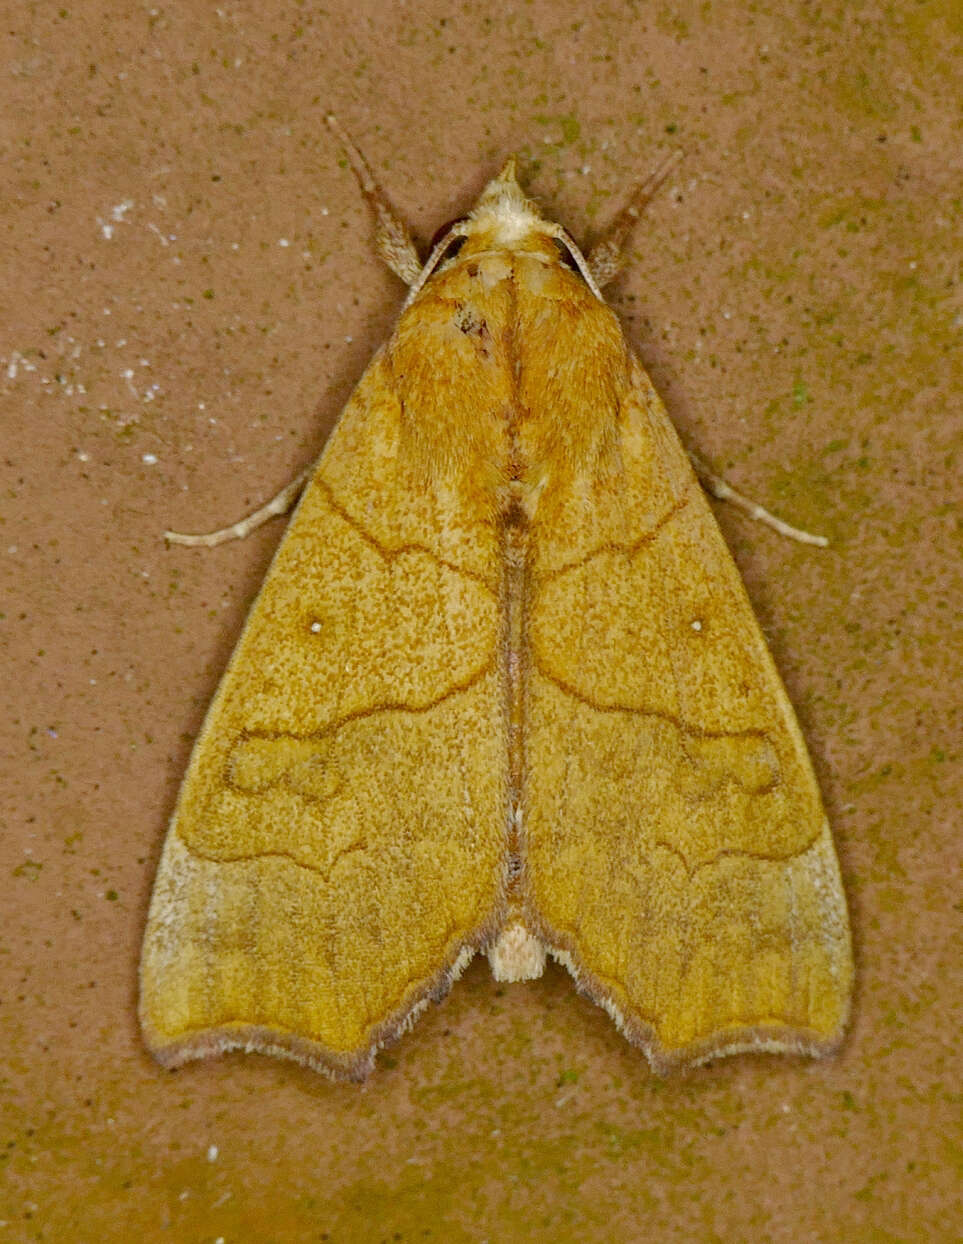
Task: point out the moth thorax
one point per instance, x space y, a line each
517 955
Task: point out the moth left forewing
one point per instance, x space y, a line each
678 857
336 854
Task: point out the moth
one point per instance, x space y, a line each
502 692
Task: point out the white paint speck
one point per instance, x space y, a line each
696 624
149 459
117 215
212 1152
283 242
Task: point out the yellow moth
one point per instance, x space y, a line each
503 692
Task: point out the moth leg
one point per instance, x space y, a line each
717 487
392 237
607 255
243 527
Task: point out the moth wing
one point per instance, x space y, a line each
679 861
336 853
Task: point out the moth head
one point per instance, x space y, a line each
504 211
504 217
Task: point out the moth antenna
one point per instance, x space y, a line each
608 254
393 240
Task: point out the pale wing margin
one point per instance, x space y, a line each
678 857
337 851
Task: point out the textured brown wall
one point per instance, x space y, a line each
190 293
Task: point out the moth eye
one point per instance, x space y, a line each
565 254
456 243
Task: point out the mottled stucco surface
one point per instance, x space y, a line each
190 295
